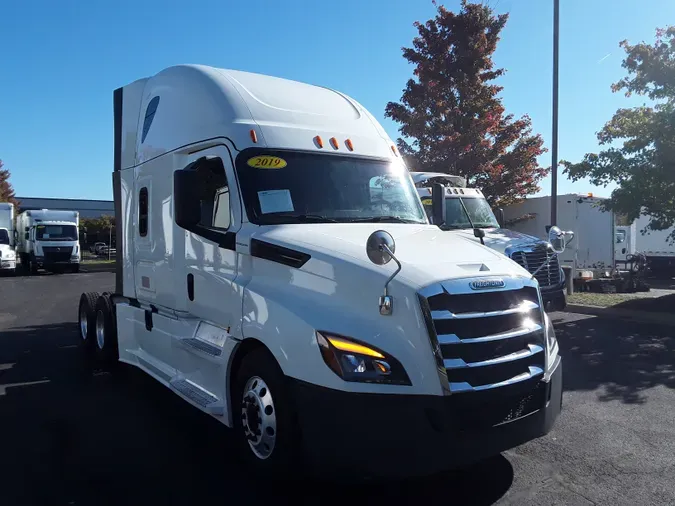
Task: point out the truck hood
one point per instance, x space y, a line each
426 253
499 239
5 249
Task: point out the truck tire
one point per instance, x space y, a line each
106 332
266 430
86 319
32 266
75 268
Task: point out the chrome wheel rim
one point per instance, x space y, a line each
100 329
259 418
84 324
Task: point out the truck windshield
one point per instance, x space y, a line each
480 213
4 236
56 233
291 187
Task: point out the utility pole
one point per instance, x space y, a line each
554 140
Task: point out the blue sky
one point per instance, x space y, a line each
61 61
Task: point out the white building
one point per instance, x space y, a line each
86 208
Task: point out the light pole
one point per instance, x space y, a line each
554 141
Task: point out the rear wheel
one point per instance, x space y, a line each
106 331
264 421
86 318
32 266
75 268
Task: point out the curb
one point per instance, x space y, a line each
97 268
624 314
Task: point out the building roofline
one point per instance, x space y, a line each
58 198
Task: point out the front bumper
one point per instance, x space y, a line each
48 260
385 435
554 299
7 264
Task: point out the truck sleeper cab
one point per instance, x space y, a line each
467 208
276 269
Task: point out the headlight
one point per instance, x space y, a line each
551 342
353 361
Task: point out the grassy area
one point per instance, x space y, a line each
601 299
631 301
97 261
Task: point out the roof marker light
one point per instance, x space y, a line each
318 141
349 144
393 150
334 142
254 137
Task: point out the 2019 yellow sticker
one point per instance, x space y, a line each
426 202
266 162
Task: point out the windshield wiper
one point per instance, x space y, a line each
378 219
302 218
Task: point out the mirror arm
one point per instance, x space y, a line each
386 248
555 255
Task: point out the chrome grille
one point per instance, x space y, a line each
485 339
531 260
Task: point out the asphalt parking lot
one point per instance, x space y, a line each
71 435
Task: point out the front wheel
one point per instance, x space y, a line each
264 420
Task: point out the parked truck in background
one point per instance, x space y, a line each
304 317
592 253
48 239
7 238
599 244
659 251
467 209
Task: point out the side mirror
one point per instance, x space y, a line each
186 198
380 248
27 229
26 236
500 217
438 204
84 236
479 233
557 239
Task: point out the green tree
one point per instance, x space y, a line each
6 190
451 116
640 154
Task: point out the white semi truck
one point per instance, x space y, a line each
7 238
48 239
468 213
301 316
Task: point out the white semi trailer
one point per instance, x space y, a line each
304 317
48 239
7 238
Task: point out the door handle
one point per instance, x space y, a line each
191 286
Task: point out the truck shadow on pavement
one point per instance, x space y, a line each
621 358
73 435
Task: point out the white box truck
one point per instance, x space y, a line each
302 316
593 246
7 238
48 239
467 210
654 244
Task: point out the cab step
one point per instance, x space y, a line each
195 393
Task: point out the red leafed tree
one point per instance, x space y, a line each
451 116
6 190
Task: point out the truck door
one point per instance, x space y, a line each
210 263
623 239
